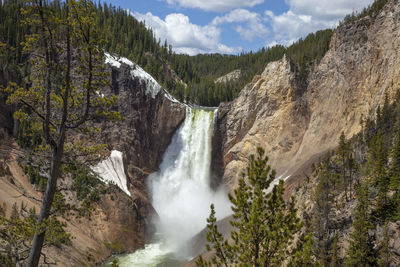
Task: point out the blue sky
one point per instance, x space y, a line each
233 26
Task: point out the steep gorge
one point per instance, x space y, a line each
292 122
118 223
295 123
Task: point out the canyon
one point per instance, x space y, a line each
294 122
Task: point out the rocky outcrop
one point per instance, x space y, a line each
231 76
291 123
267 113
148 122
118 222
150 118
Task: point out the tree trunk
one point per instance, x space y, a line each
40 232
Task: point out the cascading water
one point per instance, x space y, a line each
181 193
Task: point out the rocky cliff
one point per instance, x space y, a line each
150 118
231 76
295 122
118 222
149 121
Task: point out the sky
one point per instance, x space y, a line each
235 26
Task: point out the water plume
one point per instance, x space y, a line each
181 193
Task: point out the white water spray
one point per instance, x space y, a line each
181 192
181 189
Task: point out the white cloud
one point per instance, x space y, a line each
306 16
288 27
302 18
327 9
254 23
186 37
215 5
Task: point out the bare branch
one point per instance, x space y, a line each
27 196
45 259
85 114
37 113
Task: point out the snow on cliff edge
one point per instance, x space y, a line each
152 85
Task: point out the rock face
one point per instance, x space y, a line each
231 76
150 118
148 123
292 123
118 223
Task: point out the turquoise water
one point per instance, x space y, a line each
153 255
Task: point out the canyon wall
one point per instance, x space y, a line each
118 222
293 123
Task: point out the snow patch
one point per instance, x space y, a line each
111 170
152 85
127 62
170 97
112 61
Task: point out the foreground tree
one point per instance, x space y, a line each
55 104
17 230
264 224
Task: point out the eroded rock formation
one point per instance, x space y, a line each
294 123
118 223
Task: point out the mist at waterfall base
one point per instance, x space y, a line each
181 194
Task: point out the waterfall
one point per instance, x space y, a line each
181 192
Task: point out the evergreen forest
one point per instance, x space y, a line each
353 189
187 78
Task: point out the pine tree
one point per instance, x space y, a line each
263 223
386 116
18 229
334 261
361 251
395 153
395 163
343 152
378 169
303 255
324 199
55 104
352 165
220 247
394 173
384 251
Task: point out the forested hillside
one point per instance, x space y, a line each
125 36
206 69
355 192
346 122
349 200
56 90
121 34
